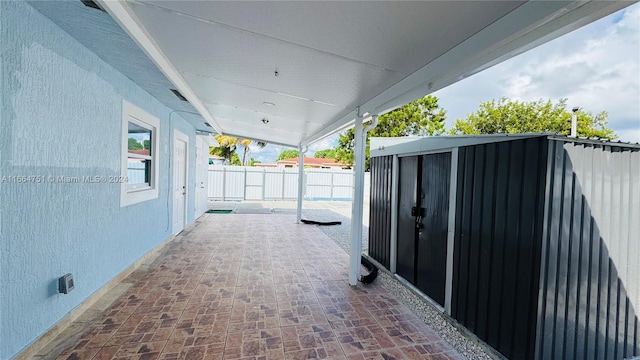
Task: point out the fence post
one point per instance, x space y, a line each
224 183
332 182
244 193
283 179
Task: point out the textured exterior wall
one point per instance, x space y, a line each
498 228
590 277
61 116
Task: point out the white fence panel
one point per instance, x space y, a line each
319 184
215 182
253 183
233 183
290 187
273 184
136 172
343 185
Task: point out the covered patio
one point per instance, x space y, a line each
82 78
249 286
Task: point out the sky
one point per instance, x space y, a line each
596 68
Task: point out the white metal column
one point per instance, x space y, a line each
301 151
393 247
453 190
358 197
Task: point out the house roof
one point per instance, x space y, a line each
308 68
140 152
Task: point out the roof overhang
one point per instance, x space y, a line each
292 73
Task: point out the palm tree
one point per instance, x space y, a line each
232 143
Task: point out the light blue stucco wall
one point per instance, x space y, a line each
61 116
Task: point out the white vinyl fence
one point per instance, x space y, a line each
254 183
136 172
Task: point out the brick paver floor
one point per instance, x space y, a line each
255 287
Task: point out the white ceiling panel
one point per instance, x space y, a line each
251 117
396 35
240 57
279 135
332 58
217 92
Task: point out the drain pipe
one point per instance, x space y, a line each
358 196
301 151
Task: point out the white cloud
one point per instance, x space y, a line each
596 68
326 143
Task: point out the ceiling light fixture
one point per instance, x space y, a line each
266 103
265 121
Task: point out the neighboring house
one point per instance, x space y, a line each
265 165
315 163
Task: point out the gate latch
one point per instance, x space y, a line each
417 211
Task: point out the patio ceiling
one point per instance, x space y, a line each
307 66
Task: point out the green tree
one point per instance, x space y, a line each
511 116
325 154
288 154
422 117
134 144
229 145
226 152
253 162
146 144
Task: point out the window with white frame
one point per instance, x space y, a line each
139 170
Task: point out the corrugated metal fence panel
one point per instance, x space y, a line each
380 209
497 242
591 257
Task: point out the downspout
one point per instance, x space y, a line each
301 151
358 196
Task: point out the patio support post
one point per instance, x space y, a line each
301 151
358 196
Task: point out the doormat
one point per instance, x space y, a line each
219 211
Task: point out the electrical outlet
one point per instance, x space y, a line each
66 284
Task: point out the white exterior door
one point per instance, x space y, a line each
202 167
180 146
